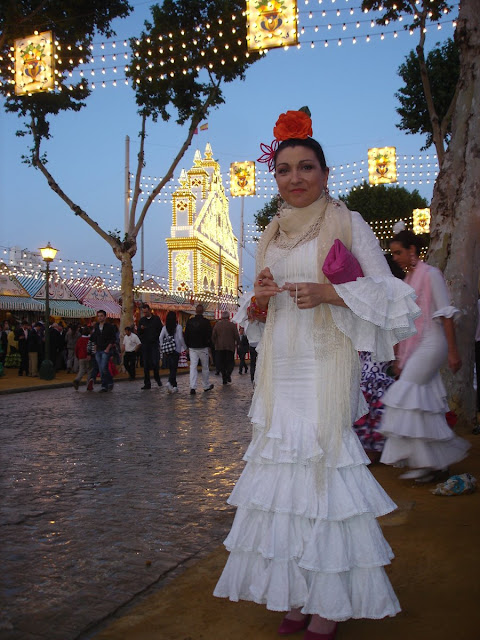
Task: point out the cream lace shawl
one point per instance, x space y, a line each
330 219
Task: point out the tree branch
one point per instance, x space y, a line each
196 119
41 6
448 116
438 139
138 175
77 210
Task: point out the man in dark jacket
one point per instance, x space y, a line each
33 343
225 338
149 333
57 344
198 335
21 335
104 337
242 350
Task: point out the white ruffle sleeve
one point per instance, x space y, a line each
380 309
442 307
241 316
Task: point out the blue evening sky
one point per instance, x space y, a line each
349 90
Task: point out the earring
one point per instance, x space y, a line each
413 260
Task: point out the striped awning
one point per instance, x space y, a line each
112 309
20 303
31 284
69 309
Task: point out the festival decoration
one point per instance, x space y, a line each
382 165
242 178
271 24
421 221
202 250
34 63
103 61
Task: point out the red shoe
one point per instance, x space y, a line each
311 635
292 626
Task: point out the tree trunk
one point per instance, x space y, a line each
125 255
455 229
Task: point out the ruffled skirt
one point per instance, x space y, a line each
305 533
414 422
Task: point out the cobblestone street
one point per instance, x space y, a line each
103 495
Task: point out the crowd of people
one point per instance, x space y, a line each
22 346
98 350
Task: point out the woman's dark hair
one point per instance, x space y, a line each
310 143
397 271
171 322
407 238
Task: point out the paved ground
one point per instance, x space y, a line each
104 495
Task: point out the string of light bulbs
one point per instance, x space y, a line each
86 66
422 170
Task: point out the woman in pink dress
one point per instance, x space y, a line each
414 422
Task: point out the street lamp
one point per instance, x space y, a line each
47 368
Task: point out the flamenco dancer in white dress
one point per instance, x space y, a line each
305 539
414 422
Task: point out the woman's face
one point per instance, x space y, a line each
300 178
402 255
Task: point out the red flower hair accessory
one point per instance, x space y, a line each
268 154
293 124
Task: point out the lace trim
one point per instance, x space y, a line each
282 241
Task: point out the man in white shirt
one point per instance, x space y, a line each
131 344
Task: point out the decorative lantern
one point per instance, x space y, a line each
242 178
34 63
271 24
421 221
382 165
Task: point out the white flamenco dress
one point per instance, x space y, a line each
414 421
305 532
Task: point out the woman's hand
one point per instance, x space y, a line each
454 361
265 288
308 295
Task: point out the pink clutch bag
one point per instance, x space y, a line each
341 265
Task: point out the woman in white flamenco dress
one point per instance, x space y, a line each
305 539
414 422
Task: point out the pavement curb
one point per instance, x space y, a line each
55 385
63 385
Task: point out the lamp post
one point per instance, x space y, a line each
47 368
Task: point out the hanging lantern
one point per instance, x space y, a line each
242 178
271 24
34 63
421 221
382 165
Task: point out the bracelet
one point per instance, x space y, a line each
256 310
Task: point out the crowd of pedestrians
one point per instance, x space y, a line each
97 350
22 346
